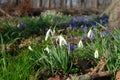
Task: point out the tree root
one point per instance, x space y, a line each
97 72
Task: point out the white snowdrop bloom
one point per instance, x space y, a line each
30 48
96 54
18 25
90 34
48 34
53 32
80 44
47 49
62 41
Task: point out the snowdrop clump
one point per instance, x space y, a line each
47 49
90 34
61 40
30 48
51 13
96 55
49 33
80 44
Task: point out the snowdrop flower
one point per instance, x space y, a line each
21 26
96 55
62 41
80 44
53 32
30 48
48 34
47 49
90 34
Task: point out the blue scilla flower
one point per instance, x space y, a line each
74 19
21 26
83 26
92 38
71 37
103 34
101 21
76 24
80 18
105 24
71 27
71 46
84 36
85 30
75 29
92 24
106 19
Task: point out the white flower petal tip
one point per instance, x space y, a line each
53 32
49 32
47 49
80 44
30 48
96 54
62 41
90 34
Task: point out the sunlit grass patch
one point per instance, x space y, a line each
56 45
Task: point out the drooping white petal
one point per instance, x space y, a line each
48 34
62 41
18 25
53 32
80 44
96 54
90 34
47 49
30 48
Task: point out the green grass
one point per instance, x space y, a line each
3 58
16 67
57 59
38 64
19 67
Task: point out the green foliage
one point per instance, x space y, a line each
3 59
37 63
56 60
113 61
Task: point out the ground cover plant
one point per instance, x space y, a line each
57 46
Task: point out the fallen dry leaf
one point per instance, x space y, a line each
56 78
118 75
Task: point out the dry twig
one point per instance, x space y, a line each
3 12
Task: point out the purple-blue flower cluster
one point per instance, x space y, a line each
71 46
85 23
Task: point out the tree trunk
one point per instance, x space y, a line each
71 4
95 4
114 12
11 2
48 3
79 4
